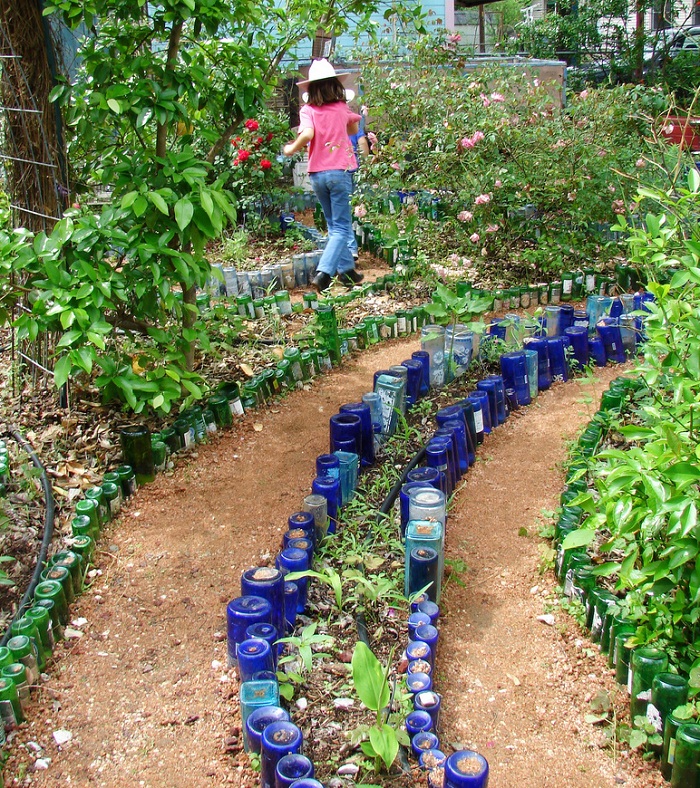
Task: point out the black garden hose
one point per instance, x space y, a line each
46 539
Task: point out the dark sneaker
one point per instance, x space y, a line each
321 282
351 278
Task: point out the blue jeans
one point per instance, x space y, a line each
332 188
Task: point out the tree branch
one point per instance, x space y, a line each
173 48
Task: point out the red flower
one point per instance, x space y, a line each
258 142
265 164
235 141
270 135
252 125
243 155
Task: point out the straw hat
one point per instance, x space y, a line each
322 69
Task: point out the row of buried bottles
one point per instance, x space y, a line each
36 631
271 597
655 692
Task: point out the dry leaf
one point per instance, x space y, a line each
514 679
246 370
278 352
257 427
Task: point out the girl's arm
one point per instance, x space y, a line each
304 138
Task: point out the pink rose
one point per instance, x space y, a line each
640 163
483 199
474 238
492 228
618 206
497 97
360 211
477 136
395 165
466 142
455 38
497 184
571 196
583 94
465 216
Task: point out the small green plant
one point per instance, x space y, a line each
328 576
371 682
300 659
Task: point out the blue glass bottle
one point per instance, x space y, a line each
267 582
579 344
482 413
258 719
436 456
514 371
467 408
423 571
557 359
489 387
349 468
291 603
423 357
566 317
427 633
425 475
305 544
544 372
253 656
456 432
267 632
327 465
429 701
404 499
330 490
363 412
416 620
418 649
414 373
430 609
423 533
466 769
291 768
258 699
609 331
422 741
418 682
432 759
500 397
418 720
344 428
303 520
596 351
278 739
241 612
294 560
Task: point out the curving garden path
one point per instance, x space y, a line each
145 694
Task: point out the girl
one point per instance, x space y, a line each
324 125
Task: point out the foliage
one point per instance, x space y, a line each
504 167
162 88
645 504
371 682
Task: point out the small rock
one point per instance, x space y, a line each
34 747
69 632
41 764
349 769
79 622
216 665
62 736
343 703
547 619
302 703
219 637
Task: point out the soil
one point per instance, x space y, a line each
142 686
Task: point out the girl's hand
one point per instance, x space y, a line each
289 149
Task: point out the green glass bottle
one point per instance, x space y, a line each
24 652
111 493
5 656
41 618
63 576
218 403
127 477
53 590
81 525
73 563
171 440
293 356
11 710
328 328
645 664
686 757
24 626
668 692
160 455
89 508
668 751
56 625
84 546
95 494
137 452
567 286
620 626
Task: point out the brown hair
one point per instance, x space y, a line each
326 91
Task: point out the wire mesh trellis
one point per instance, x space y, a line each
32 155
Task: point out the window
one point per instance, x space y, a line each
662 15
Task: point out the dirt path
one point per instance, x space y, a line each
145 692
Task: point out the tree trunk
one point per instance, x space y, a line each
189 298
35 169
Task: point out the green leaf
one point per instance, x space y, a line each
115 106
683 473
368 678
385 743
184 211
159 202
61 371
579 538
